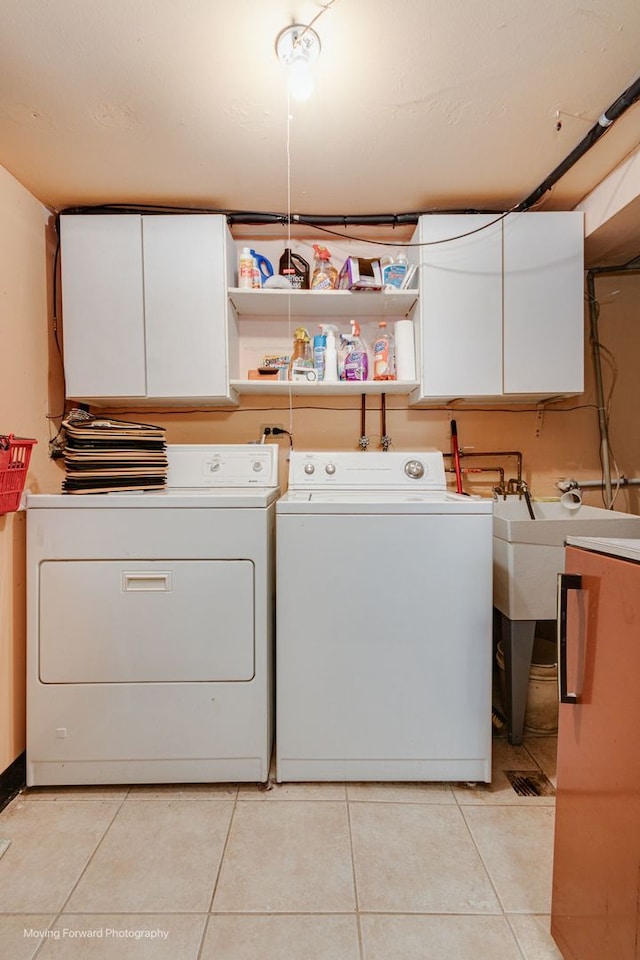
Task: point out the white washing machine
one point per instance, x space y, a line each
150 626
384 621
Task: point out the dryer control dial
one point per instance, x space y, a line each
414 469
309 469
330 469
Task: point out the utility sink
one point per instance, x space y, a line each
528 554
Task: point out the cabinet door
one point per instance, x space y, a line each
185 305
461 306
543 303
102 294
596 868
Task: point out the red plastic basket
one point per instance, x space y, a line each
15 453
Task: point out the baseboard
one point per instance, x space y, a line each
13 780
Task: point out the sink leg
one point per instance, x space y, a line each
517 644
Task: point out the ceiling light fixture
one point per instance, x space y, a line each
297 47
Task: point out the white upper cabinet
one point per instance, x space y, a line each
103 306
144 307
151 311
543 303
501 306
461 305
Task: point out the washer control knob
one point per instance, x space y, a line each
309 469
330 469
414 469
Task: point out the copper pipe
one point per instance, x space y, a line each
468 470
385 441
494 453
363 442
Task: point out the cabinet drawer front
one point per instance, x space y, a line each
118 621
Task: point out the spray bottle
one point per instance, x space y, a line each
319 352
301 362
330 368
356 360
325 275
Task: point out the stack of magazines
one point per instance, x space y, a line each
103 455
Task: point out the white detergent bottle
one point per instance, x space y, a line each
245 269
330 353
396 272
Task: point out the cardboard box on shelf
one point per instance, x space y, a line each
360 273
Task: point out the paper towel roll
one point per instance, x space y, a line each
405 350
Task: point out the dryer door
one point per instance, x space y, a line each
119 621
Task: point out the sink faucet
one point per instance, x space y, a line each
510 489
515 487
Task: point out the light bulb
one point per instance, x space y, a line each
297 47
299 78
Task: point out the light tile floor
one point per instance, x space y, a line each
313 871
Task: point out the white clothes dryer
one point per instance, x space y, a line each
150 626
384 621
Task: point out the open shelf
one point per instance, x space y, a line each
323 303
339 388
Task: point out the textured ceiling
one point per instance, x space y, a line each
419 104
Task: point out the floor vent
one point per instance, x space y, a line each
530 783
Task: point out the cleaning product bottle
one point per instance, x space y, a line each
319 352
396 272
384 358
263 268
385 266
245 269
356 360
346 345
330 354
256 280
295 268
325 275
301 362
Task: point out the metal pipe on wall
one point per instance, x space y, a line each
602 413
493 453
597 366
363 442
620 482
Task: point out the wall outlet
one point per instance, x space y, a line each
268 428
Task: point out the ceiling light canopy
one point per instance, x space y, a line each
297 47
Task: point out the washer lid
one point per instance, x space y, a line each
352 502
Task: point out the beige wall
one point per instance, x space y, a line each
23 411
